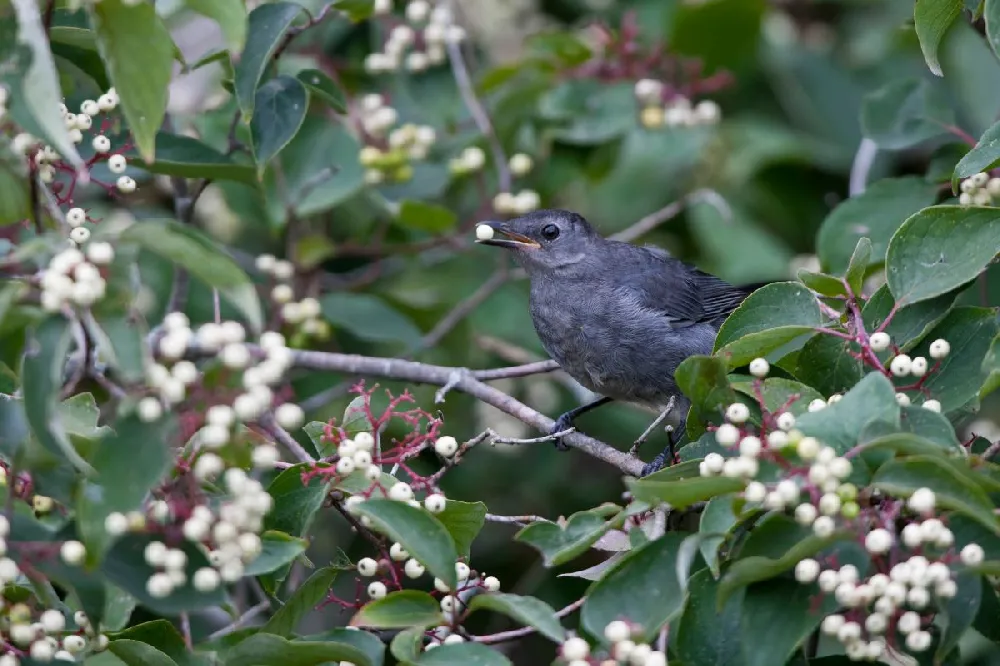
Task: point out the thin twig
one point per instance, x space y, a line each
478 113
241 622
460 312
283 437
670 211
525 631
186 630
862 165
515 520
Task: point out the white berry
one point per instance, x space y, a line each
939 348
759 367
879 341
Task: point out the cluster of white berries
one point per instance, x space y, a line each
404 144
470 160
419 43
451 603
903 365
72 277
678 112
47 638
979 190
523 202
575 651
305 313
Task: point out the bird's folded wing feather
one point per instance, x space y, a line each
681 293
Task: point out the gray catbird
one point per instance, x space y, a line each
617 317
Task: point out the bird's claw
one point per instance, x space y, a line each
666 458
564 422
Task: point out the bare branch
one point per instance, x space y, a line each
241 622
863 160
464 380
461 311
514 520
282 436
670 211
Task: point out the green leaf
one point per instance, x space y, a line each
985 155
79 46
970 331
266 28
683 493
941 248
718 518
779 394
120 484
367 317
875 214
466 654
118 608
960 611
643 587
39 95
295 504
823 284
14 198
178 155
991 14
421 534
356 10
135 653
703 379
778 615
559 544
767 320
858 265
197 254
279 549
932 18
839 425
268 650
426 216
231 15
314 430
139 54
910 323
705 635
125 566
407 645
322 86
279 111
162 635
369 644
904 113
122 340
463 520
406 608
528 611
302 602
953 490
588 111
41 382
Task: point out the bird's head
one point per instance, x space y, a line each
545 239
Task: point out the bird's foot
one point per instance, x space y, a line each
666 458
564 422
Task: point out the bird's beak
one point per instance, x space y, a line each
510 239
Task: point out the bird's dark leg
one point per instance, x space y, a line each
565 421
652 426
668 455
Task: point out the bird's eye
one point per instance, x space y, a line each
550 232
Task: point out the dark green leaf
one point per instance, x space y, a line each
14 199
420 533
41 382
39 95
279 550
295 504
643 587
960 611
685 492
178 155
910 323
231 15
279 110
303 600
704 634
135 653
970 331
122 340
322 86
904 113
704 381
369 318
406 608
407 645
463 520
779 394
718 518
466 654
162 635
367 643
126 567
269 650
953 490
875 214
839 425
197 254
118 607
120 484
823 284
589 112
139 54
266 28
778 615
568 49
991 14
528 611
930 425
356 10
983 157
768 319
932 18
858 265
426 217
559 544
941 248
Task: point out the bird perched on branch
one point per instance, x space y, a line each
617 317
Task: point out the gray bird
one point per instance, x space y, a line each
617 317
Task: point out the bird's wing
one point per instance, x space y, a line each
681 293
